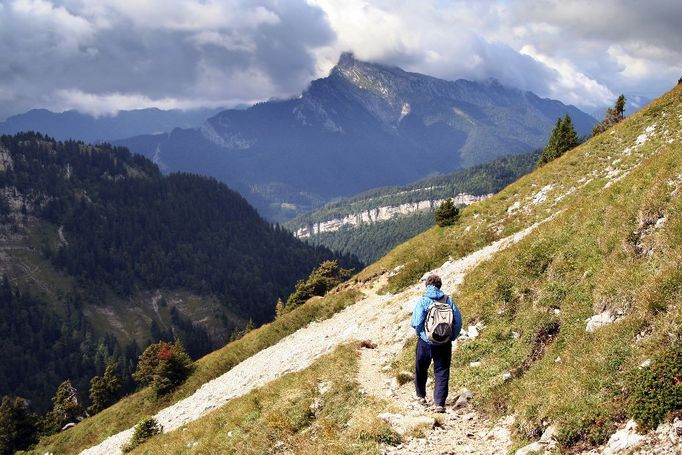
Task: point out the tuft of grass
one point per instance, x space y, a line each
145 429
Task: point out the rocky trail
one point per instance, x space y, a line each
383 319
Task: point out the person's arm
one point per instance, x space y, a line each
457 318
418 315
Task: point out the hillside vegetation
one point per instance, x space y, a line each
102 255
614 250
599 233
370 241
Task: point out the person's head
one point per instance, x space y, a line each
434 280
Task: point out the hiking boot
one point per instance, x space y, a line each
420 400
440 409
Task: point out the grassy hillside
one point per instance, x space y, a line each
616 246
612 242
132 408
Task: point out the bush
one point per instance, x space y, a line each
447 213
657 390
164 366
145 429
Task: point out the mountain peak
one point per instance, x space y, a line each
346 60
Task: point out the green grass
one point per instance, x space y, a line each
289 415
567 270
125 413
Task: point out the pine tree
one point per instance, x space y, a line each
164 366
562 139
66 407
18 426
613 115
447 213
104 390
320 281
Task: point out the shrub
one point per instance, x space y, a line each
145 429
657 390
447 213
164 366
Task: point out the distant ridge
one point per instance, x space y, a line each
85 127
364 126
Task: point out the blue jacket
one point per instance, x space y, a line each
422 307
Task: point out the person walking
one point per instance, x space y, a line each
437 322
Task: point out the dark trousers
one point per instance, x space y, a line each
441 355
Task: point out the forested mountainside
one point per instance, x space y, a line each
101 254
379 124
372 223
90 128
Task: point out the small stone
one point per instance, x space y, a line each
507 377
464 398
229 434
557 360
645 364
475 364
516 335
599 320
472 332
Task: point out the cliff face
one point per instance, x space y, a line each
379 214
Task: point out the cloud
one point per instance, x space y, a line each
157 51
99 55
579 51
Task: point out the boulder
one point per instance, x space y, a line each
546 443
625 439
463 399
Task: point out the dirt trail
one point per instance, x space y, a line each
387 315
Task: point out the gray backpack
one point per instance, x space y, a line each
439 321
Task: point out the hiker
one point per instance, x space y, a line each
437 321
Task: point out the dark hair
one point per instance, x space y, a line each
434 280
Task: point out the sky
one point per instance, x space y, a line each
101 56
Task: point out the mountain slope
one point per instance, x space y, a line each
379 124
594 233
371 223
89 128
114 255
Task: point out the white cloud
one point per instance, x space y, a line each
110 103
570 85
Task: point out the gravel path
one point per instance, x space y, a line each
363 320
